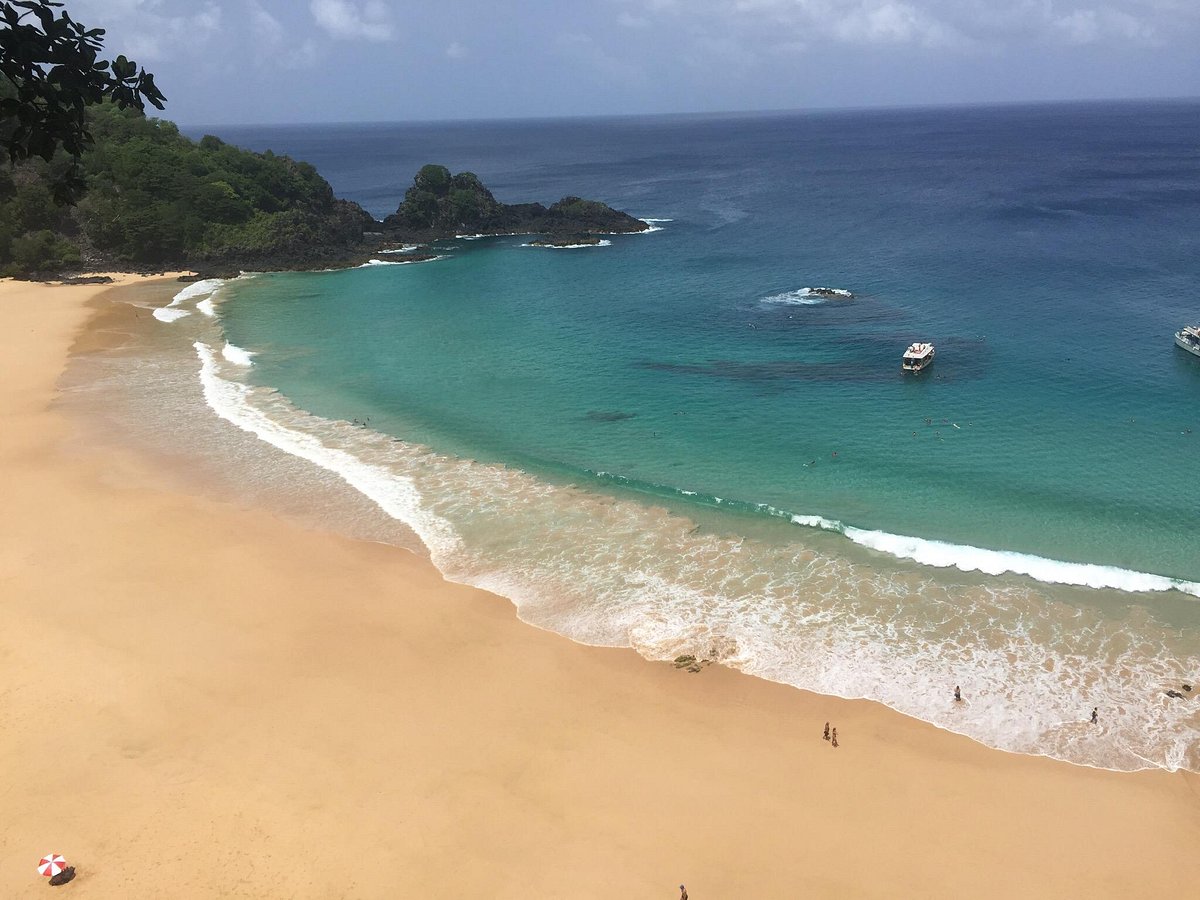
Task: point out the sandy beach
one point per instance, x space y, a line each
203 700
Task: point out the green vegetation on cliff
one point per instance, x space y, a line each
156 198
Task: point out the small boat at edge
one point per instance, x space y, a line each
1189 339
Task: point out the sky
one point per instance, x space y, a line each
293 61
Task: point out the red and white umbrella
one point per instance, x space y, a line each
51 865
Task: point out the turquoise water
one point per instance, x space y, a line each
634 442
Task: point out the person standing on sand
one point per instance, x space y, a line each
957 695
682 892
826 734
834 739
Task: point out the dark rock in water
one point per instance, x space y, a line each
441 205
567 240
415 256
88 279
830 293
1187 687
62 877
1175 694
615 416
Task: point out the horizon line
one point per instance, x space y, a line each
732 113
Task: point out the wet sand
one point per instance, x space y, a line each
204 700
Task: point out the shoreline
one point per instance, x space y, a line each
257 731
1035 703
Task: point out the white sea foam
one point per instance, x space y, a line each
205 288
206 306
197 289
944 555
237 355
393 262
604 243
807 296
395 494
167 314
407 248
650 221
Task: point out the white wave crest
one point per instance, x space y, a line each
407 248
197 289
370 263
943 555
237 355
395 494
167 314
818 522
604 243
807 296
206 306
203 288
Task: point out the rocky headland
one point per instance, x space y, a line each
156 200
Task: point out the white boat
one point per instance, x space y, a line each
917 357
1189 339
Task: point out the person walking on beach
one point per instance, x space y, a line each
834 738
957 695
682 892
826 734
1095 715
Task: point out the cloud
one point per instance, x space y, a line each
456 50
267 29
582 51
277 49
957 24
1090 26
155 36
893 23
346 20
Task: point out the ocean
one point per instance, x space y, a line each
672 442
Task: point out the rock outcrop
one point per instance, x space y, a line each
441 205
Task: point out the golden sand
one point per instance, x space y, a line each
198 700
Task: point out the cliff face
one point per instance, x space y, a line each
441 205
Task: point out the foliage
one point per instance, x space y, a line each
443 202
49 74
154 197
576 208
41 251
441 205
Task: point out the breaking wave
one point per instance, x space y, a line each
809 296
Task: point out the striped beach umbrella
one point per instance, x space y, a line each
51 865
